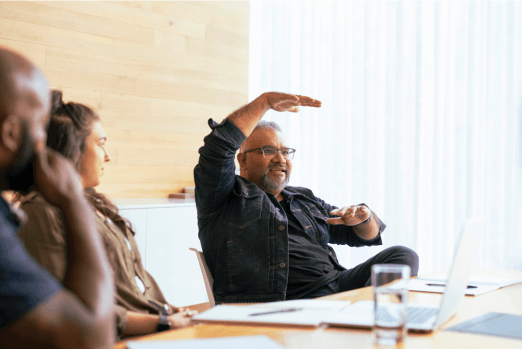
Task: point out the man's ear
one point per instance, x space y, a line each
241 159
11 132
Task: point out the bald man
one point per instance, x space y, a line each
266 241
36 311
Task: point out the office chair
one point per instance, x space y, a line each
207 276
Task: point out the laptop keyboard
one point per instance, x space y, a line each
418 315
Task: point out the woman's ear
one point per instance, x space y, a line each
11 133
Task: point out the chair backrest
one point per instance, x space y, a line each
207 276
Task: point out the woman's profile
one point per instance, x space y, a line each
75 131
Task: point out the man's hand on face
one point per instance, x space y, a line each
279 101
55 177
350 215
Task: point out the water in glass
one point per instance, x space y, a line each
391 312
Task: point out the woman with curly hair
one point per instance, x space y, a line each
76 132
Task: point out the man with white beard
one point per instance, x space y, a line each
263 240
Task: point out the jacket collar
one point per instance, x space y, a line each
244 187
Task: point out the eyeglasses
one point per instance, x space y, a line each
269 152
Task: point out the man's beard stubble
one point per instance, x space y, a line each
271 185
20 176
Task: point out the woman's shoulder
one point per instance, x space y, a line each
35 204
44 226
34 198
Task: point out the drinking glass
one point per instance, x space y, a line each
390 290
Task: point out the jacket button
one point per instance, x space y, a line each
281 227
282 265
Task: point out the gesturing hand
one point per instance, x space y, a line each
350 215
279 101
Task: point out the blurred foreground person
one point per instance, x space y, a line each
36 311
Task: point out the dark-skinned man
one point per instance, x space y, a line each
266 241
36 311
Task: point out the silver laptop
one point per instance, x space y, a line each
426 318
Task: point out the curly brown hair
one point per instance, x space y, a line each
69 126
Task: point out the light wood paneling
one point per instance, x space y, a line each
39 13
154 71
36 53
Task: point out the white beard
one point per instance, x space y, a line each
272 186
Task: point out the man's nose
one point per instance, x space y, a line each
279 158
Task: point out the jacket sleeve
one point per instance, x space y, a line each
44 236
345 235
214 175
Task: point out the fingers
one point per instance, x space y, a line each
349 215
309 101
335 221
288 102
41 158
191 313
362 210
187 312
345 211
346 220
336 212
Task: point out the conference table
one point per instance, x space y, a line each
505 300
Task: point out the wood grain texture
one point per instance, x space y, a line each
154 71
506 300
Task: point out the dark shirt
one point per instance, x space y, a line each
310 265
23 283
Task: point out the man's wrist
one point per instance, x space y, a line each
264 100
65 198
71 202
367 220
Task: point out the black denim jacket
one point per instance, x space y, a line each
243 235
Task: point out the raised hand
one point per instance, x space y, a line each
279 101
350 215
247 117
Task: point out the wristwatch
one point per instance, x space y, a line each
164 323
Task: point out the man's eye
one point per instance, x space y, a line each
285 152
269 151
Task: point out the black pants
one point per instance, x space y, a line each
360 276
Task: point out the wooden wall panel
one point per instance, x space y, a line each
154 71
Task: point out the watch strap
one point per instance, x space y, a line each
164 323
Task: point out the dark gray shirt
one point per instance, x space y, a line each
310 264
23 283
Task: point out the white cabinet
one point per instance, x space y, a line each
165 230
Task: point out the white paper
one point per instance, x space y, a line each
483 284
308 312
250 342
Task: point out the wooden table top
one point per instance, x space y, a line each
506 300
